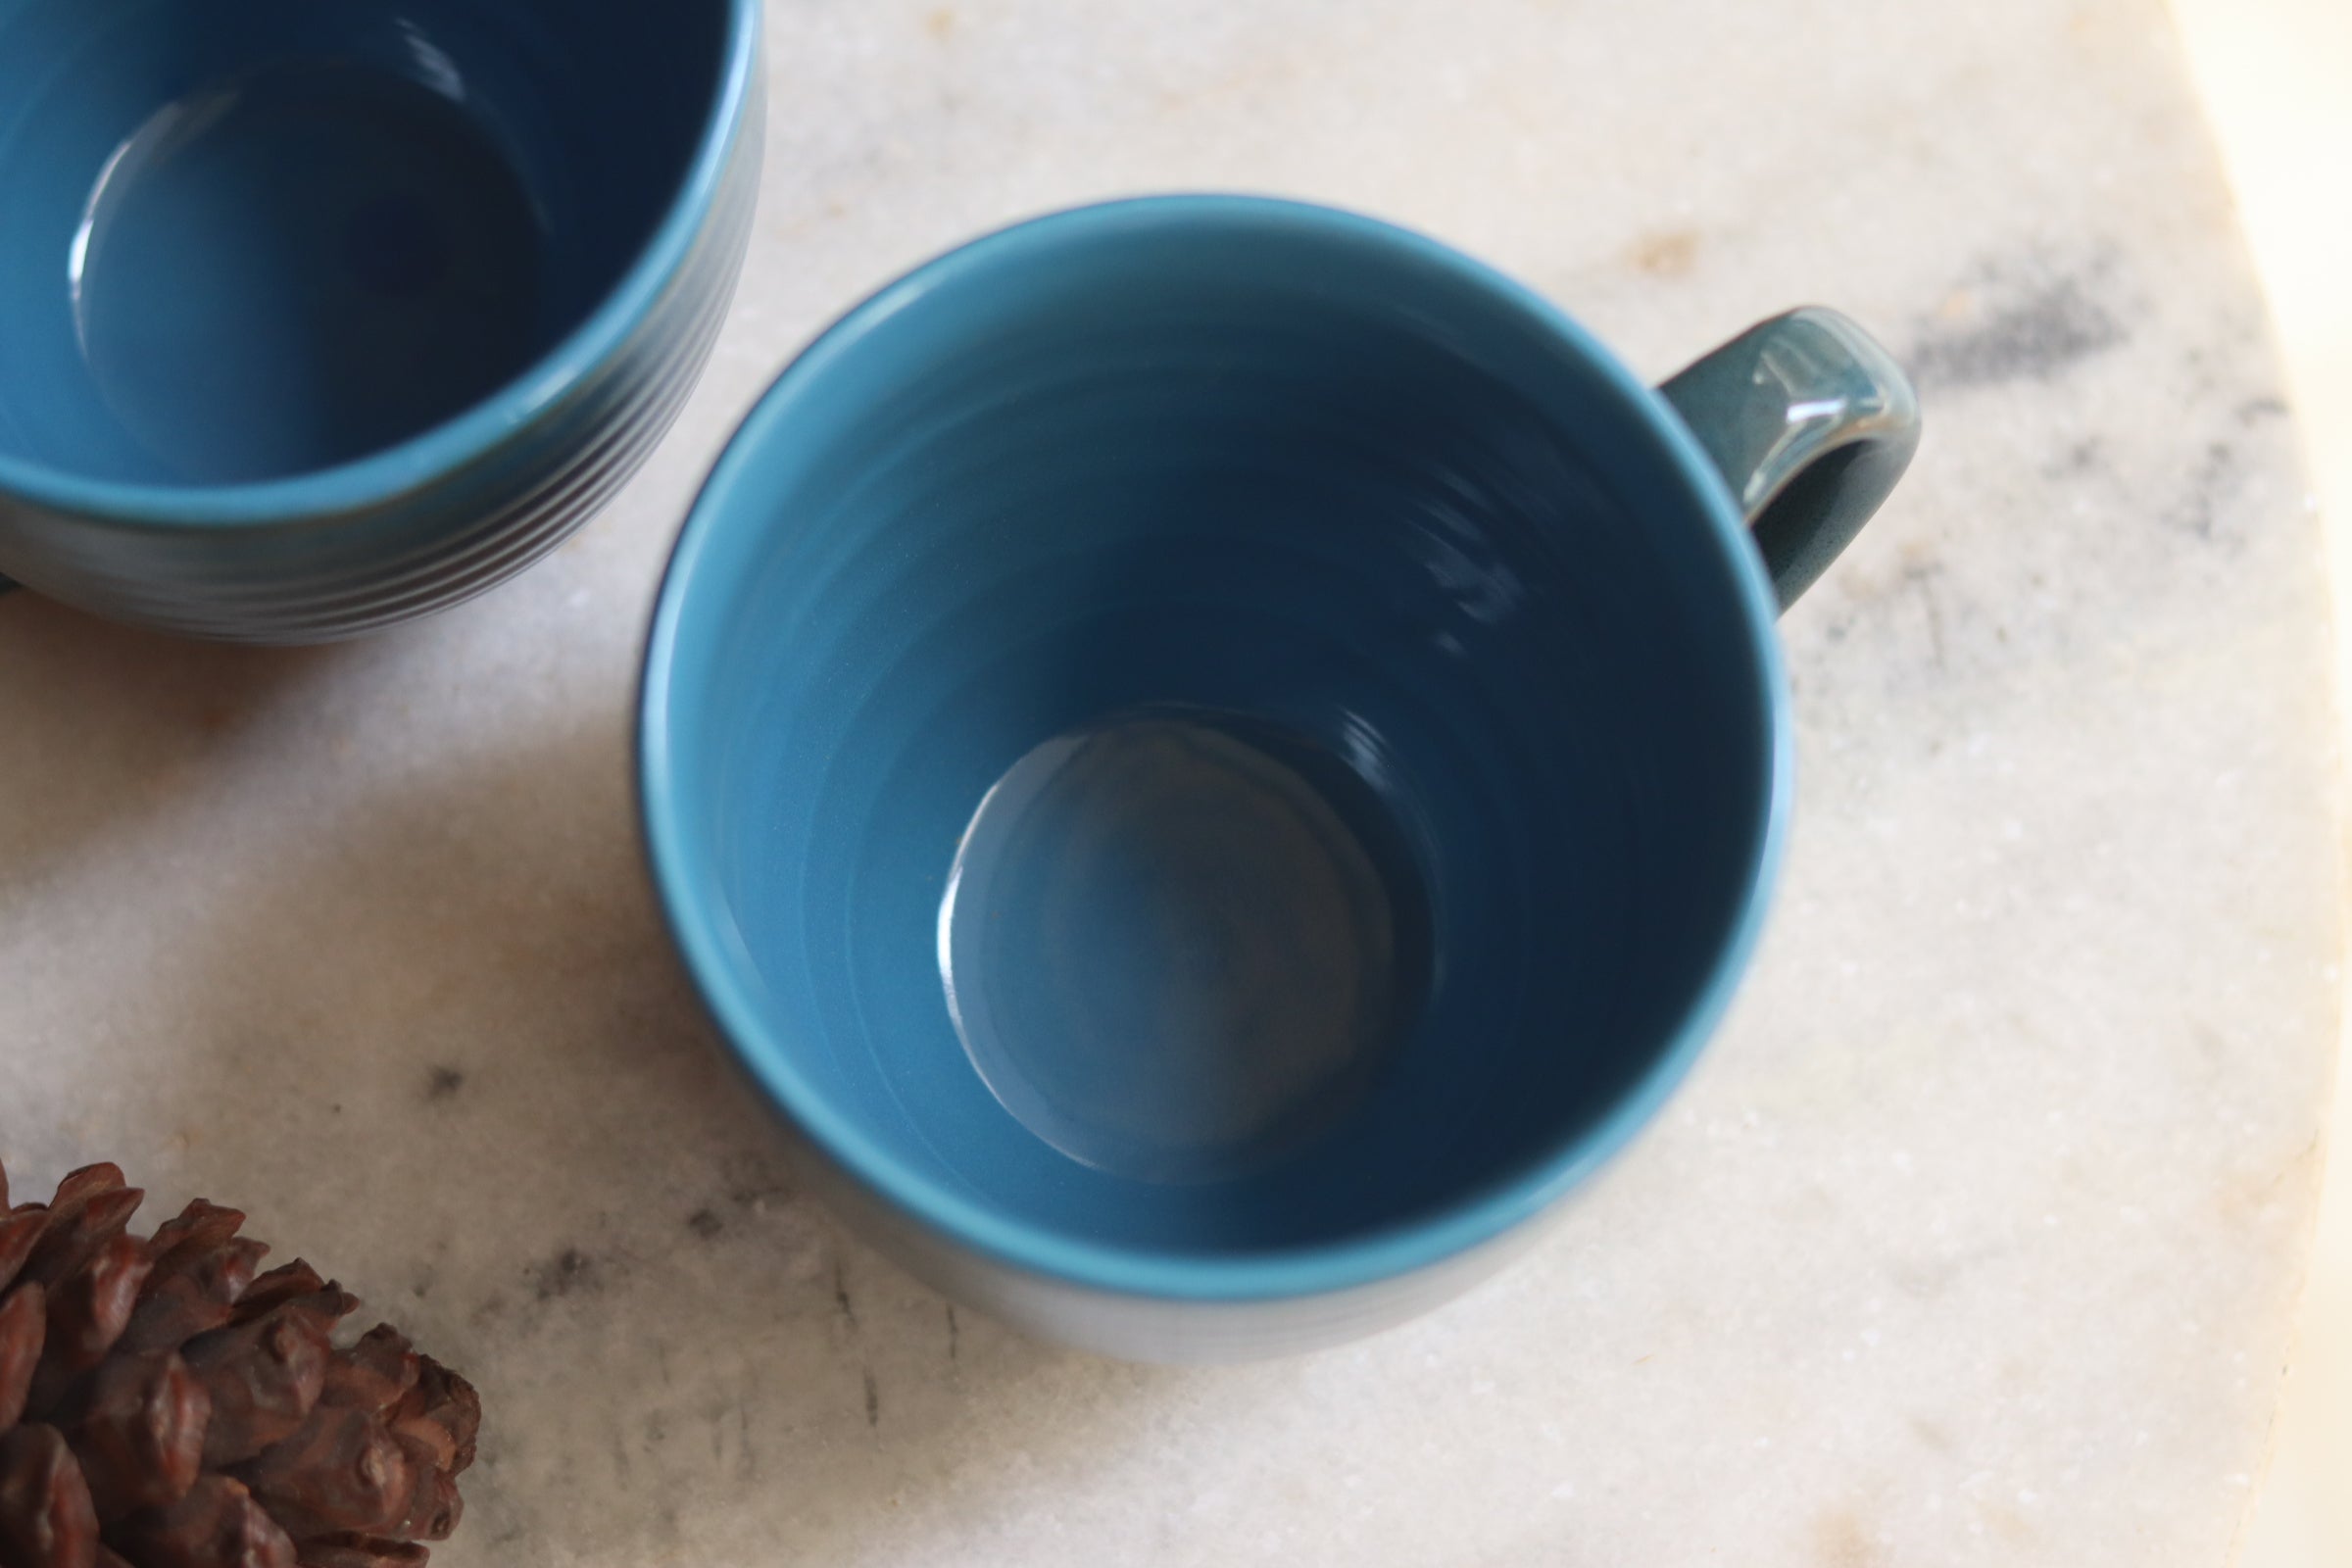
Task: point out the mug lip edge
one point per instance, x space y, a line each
449 446
1463 1221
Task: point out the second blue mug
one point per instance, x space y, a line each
315 318
1213 758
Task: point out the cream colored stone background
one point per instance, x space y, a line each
1975 1242
2276 80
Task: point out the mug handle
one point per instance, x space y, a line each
1810 422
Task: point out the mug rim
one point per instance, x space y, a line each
384 476
691 903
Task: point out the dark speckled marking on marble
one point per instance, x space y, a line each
1919 576
2035 321
841 1295
2211 482
443 1084
2080 457
747 1457
569 1272
754 1184
874 1400
705 1223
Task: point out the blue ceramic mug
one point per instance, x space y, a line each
1214 758
314 318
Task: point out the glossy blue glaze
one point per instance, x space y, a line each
315 318
1315 603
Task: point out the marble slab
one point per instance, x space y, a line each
1974 1241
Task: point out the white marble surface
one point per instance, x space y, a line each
1974 1241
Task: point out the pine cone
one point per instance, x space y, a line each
162 1405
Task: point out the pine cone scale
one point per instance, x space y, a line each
201 1227
434 1506
140 1432
359 1551
78 1230
343 1471
219 1524
263 1378
181 1302
87 1312
289 1282
444 1410
23 1327
20 1233
47 1520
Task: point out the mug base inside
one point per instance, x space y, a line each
1177 944
299 265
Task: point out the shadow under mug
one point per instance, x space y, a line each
316 318
1214 758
